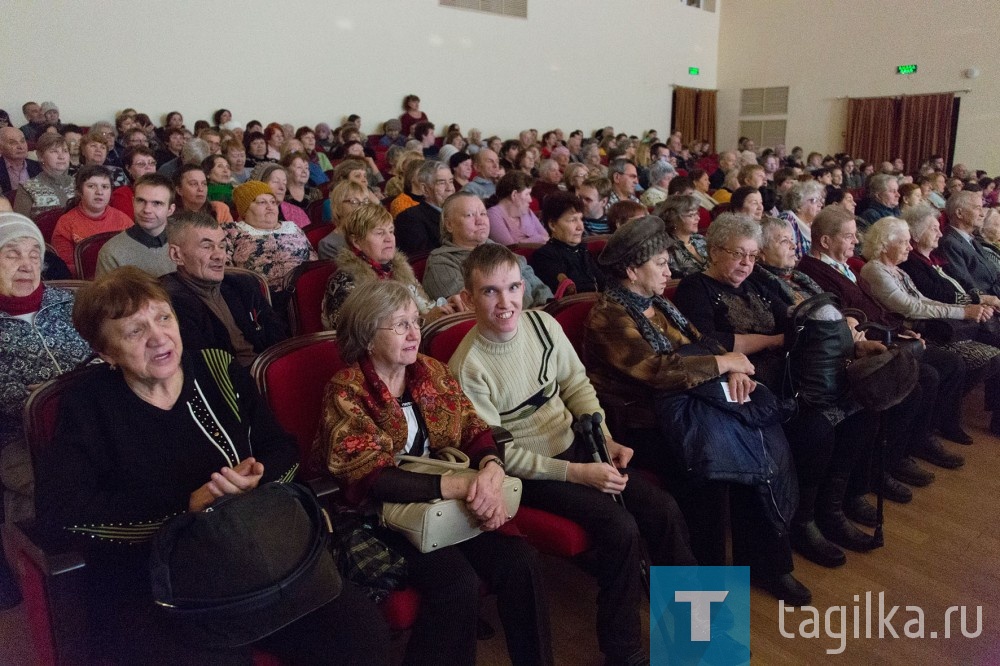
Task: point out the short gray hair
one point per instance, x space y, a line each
732 226
919 218
769 228
881 234
195 151
446 207
617 166
660 169
960 199
365 308
879 183
427 173
802 191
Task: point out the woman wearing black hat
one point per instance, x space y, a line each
636 340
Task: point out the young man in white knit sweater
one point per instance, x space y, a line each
520 371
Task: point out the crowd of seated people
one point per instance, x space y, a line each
751 234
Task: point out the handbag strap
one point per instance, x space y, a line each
446 458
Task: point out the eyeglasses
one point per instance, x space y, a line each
403 327
812 200
353 202
740 255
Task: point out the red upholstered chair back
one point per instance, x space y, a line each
525 249
86 251
318 230
292 376
571 313
418 262
308 284
261 280
47 222
596 244
704 220
440 338
855 264
56 622
315 212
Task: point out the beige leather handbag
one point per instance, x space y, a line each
434 525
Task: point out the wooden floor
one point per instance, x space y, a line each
941 550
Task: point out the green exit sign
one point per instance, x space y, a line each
906 69
694 71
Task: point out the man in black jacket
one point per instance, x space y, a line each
15 167
216 310
418 229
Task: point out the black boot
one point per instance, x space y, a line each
832 521
860 510
785 587
806 538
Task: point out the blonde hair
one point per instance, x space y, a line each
364 218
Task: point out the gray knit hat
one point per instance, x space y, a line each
635 242
15 225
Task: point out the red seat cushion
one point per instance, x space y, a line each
551 534
400 609
572 318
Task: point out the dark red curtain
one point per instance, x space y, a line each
913 127
871 128
924 128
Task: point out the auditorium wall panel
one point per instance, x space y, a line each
572 63
825 51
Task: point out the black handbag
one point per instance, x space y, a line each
882 381
245 567
820 348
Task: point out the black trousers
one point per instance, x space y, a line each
449 583
615 534
819 448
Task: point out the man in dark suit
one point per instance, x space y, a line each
15 167
418 229
963 252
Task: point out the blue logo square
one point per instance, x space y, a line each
699 615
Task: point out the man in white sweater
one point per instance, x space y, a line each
521 372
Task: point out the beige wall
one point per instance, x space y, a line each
573 63
824 50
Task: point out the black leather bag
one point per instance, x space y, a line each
947 331
245 567
819 351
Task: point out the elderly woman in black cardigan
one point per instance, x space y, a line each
565 255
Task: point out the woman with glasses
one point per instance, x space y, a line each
344 199
802 204
638 344
725 306
688 251
370 255
390 401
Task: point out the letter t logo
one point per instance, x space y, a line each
701 610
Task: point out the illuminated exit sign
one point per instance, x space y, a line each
906 69
694 71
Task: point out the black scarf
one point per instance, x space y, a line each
636 305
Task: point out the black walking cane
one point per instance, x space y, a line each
589 427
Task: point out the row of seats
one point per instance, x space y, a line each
291 376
